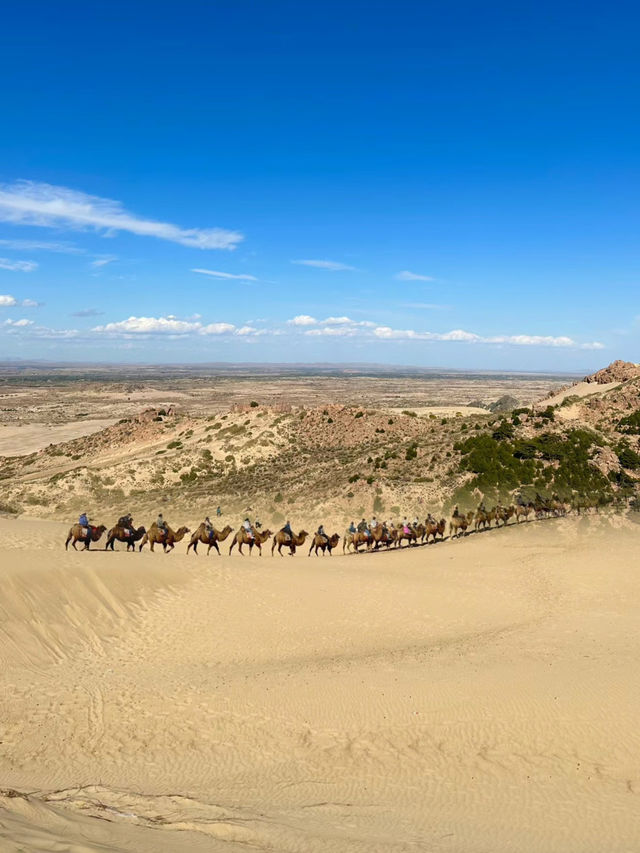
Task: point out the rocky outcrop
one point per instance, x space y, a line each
617 371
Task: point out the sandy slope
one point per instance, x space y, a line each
19 439
580 389
478 695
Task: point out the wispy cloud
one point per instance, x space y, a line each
45 205
42 246
332 266
226 275
407 275
18 266
425 306
333 331
103 261
87 312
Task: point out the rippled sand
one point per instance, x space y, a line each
479 695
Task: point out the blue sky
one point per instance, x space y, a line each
430 183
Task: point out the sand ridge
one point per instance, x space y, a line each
404 701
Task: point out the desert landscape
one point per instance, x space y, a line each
472 694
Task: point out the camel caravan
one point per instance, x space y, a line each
364 537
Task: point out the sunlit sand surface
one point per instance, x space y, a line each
479 695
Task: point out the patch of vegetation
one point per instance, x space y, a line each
411 452
359 414
559 462
629 458
410 414
254 404
630 424
173 445
354 478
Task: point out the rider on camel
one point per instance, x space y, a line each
126 523
162 525
287 529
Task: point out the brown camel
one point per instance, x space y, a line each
291 542
202 535
407 534
324 543
242 538
355 540
523 511
434 528
77 534
123 534
458 524
380 535
166 538
503 514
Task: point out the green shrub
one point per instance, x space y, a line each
630 424
629 458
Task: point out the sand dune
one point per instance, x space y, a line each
479 695
20 439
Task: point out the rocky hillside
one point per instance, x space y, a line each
338 462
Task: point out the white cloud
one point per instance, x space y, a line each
346 321
19 323
173 327
333 331
226 275
407 275
149 326
332 266
302 320
461 336
7 300
18 266
42 246
32 203
337 321
217 329
30 303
